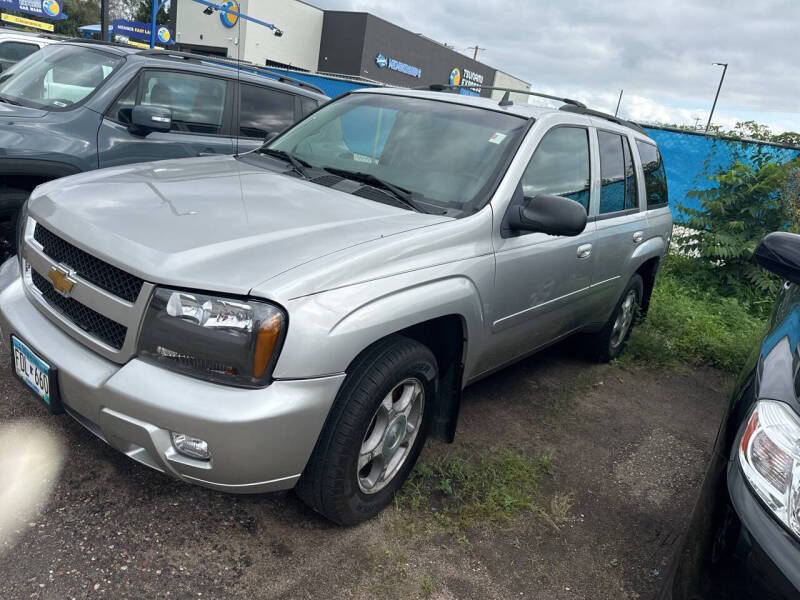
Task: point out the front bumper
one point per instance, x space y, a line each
260 440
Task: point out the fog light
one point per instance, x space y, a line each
190 446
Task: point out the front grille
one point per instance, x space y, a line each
92 322
103 275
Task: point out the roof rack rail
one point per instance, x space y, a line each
231 63
441 87
596 113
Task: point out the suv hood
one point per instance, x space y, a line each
11 111
212 223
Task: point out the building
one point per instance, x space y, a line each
355 45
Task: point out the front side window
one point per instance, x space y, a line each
655 177
560 166
57 76
447 153
13 52
197 103
617 172
264 111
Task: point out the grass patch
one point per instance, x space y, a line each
458 491
688 321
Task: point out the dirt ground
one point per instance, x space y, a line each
628 448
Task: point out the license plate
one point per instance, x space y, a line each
36 373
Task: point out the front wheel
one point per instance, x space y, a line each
374 434
610 340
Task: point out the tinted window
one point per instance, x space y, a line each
265 111
308 105
560 166
12 52
197 103
617 173
655 178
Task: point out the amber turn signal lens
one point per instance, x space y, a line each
266 340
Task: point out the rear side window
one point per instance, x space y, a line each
617 172
264 111
308 105
560 166
197 103
13 52
655 177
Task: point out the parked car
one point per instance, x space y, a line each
744 537
17 44
306 314
74 107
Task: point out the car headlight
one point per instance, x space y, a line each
769 453
224 340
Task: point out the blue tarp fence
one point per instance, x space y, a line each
689 157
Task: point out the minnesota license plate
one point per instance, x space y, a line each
36 373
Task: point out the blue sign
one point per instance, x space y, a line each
139 30
46 9
396 65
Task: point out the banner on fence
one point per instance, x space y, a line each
141 31
46 9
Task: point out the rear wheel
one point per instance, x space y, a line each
608 343
374 433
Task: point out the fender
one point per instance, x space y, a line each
44 169
324 341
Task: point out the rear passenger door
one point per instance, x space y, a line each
621 222
201 118
264 111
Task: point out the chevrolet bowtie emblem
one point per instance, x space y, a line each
61 280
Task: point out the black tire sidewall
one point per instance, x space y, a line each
347 504
636 283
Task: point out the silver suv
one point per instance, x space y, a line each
306 314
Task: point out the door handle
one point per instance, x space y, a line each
638 237
585 251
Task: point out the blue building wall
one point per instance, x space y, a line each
688 157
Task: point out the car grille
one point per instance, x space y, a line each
103 328
103 275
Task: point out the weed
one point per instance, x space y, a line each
428 585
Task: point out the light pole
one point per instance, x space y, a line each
104 20
618 102
721 79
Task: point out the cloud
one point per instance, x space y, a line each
660 53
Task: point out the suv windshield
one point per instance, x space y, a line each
443 153
56 76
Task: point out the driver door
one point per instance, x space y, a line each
201 115
542 282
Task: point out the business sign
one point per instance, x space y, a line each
229 13
27 22
46 9
465 77
396 65
141 31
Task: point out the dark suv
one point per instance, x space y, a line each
77 106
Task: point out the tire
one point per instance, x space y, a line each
11 200
389 376
608 343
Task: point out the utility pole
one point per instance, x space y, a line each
104 20
618 102
475 48
721 79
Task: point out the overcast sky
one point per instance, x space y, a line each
659 52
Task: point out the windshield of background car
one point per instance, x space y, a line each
450 154
57 76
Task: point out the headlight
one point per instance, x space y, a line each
769 452
225 340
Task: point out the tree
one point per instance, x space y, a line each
79 13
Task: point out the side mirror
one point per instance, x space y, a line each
554 215
146 119
779 252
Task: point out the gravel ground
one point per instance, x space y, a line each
628 447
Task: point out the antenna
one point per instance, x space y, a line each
238 95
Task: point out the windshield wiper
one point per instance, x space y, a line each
297 165
402 194
8 100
